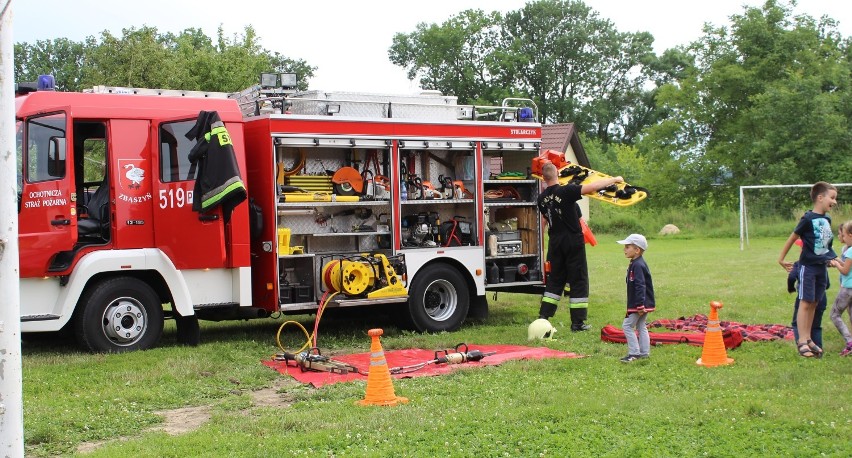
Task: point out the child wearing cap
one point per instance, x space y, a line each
640 299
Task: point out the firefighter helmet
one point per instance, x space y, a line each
540 329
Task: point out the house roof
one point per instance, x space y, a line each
559 136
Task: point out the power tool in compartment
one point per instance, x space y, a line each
422 228
365 275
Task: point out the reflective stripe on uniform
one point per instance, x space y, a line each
551 298
212 200
220 132
579 303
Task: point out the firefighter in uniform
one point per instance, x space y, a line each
566 250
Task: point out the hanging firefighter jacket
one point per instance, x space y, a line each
218 181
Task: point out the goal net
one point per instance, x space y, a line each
761 205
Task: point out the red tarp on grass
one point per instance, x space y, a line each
733 333
750 332
409 357
732 339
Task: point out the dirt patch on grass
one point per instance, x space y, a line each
188 419
273 396
89 447
182 420
175 422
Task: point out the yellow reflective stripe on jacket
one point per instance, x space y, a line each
220 132
209 202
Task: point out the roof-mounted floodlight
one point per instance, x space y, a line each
332 108
288 80
268 80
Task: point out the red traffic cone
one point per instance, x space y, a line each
714 353
379 387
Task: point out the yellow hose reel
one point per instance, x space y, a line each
349 277
370 275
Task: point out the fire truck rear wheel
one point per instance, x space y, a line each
438 299
119 314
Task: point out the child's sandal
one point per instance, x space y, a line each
805 350
814 348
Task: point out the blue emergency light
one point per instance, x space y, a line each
46 83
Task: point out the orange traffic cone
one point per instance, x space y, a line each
379 386
588 236
714 353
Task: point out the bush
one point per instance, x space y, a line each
617 224
696 221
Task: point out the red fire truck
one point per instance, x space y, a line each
414 203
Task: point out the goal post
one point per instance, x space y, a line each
743 212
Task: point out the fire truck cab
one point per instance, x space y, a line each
412 202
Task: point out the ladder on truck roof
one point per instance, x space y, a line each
162 92
429 105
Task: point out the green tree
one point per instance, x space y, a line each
575 65
455 57
60 57
767 102
144 57
139 58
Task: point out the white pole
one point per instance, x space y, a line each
742 213
11 388
745 221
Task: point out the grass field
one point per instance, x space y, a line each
770 402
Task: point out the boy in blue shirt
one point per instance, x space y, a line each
640 299
814 229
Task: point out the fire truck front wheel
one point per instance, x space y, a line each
438 299
119 314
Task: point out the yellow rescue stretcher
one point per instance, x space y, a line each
620 194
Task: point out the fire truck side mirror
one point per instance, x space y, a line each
56 157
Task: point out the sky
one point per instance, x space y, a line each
348 40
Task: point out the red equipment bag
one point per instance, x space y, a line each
733 339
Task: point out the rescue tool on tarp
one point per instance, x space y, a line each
314 361
458 356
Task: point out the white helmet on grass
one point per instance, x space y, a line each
540 329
